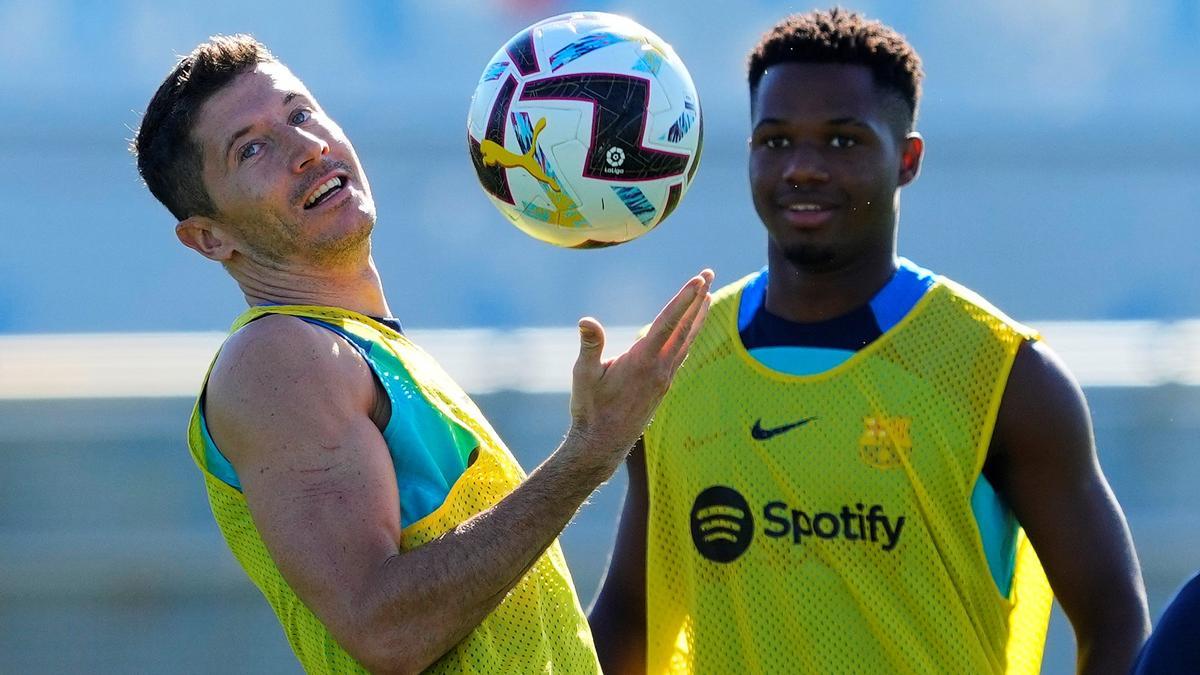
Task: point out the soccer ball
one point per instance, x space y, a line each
585 130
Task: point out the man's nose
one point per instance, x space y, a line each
806 164
309 148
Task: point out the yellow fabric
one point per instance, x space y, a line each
786 553
539 627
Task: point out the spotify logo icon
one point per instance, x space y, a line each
722 526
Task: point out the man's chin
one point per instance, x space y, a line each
810 256
347 247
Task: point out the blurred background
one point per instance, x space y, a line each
1060 182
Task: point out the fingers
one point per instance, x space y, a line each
696 325
591 344
691 321
668 320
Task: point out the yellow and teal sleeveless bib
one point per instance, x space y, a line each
824 523
538 627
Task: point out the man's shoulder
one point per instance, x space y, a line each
280 356
274 339
980 309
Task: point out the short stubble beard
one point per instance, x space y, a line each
809 256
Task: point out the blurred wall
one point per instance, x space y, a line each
110 560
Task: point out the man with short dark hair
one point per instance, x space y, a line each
362 491
842 477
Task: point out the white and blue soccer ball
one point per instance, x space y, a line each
585 130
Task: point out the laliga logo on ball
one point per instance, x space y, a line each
585 130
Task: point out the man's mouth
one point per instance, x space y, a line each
325 191
806 207
804 213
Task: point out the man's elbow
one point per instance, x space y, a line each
1113 630
381 643
384 652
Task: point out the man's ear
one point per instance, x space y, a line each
912 151
207 237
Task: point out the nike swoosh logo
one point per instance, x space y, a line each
761 434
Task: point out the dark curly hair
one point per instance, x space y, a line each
169 160
842 36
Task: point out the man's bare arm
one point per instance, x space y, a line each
1043 461
290 405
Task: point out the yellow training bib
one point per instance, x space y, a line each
539 627
823 523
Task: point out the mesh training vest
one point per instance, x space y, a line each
823 523
538 628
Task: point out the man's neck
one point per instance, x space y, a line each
356 288
803 294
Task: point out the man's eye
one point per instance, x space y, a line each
249 150
843 142
776 142
301 116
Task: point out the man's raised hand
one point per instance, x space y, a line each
613 400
